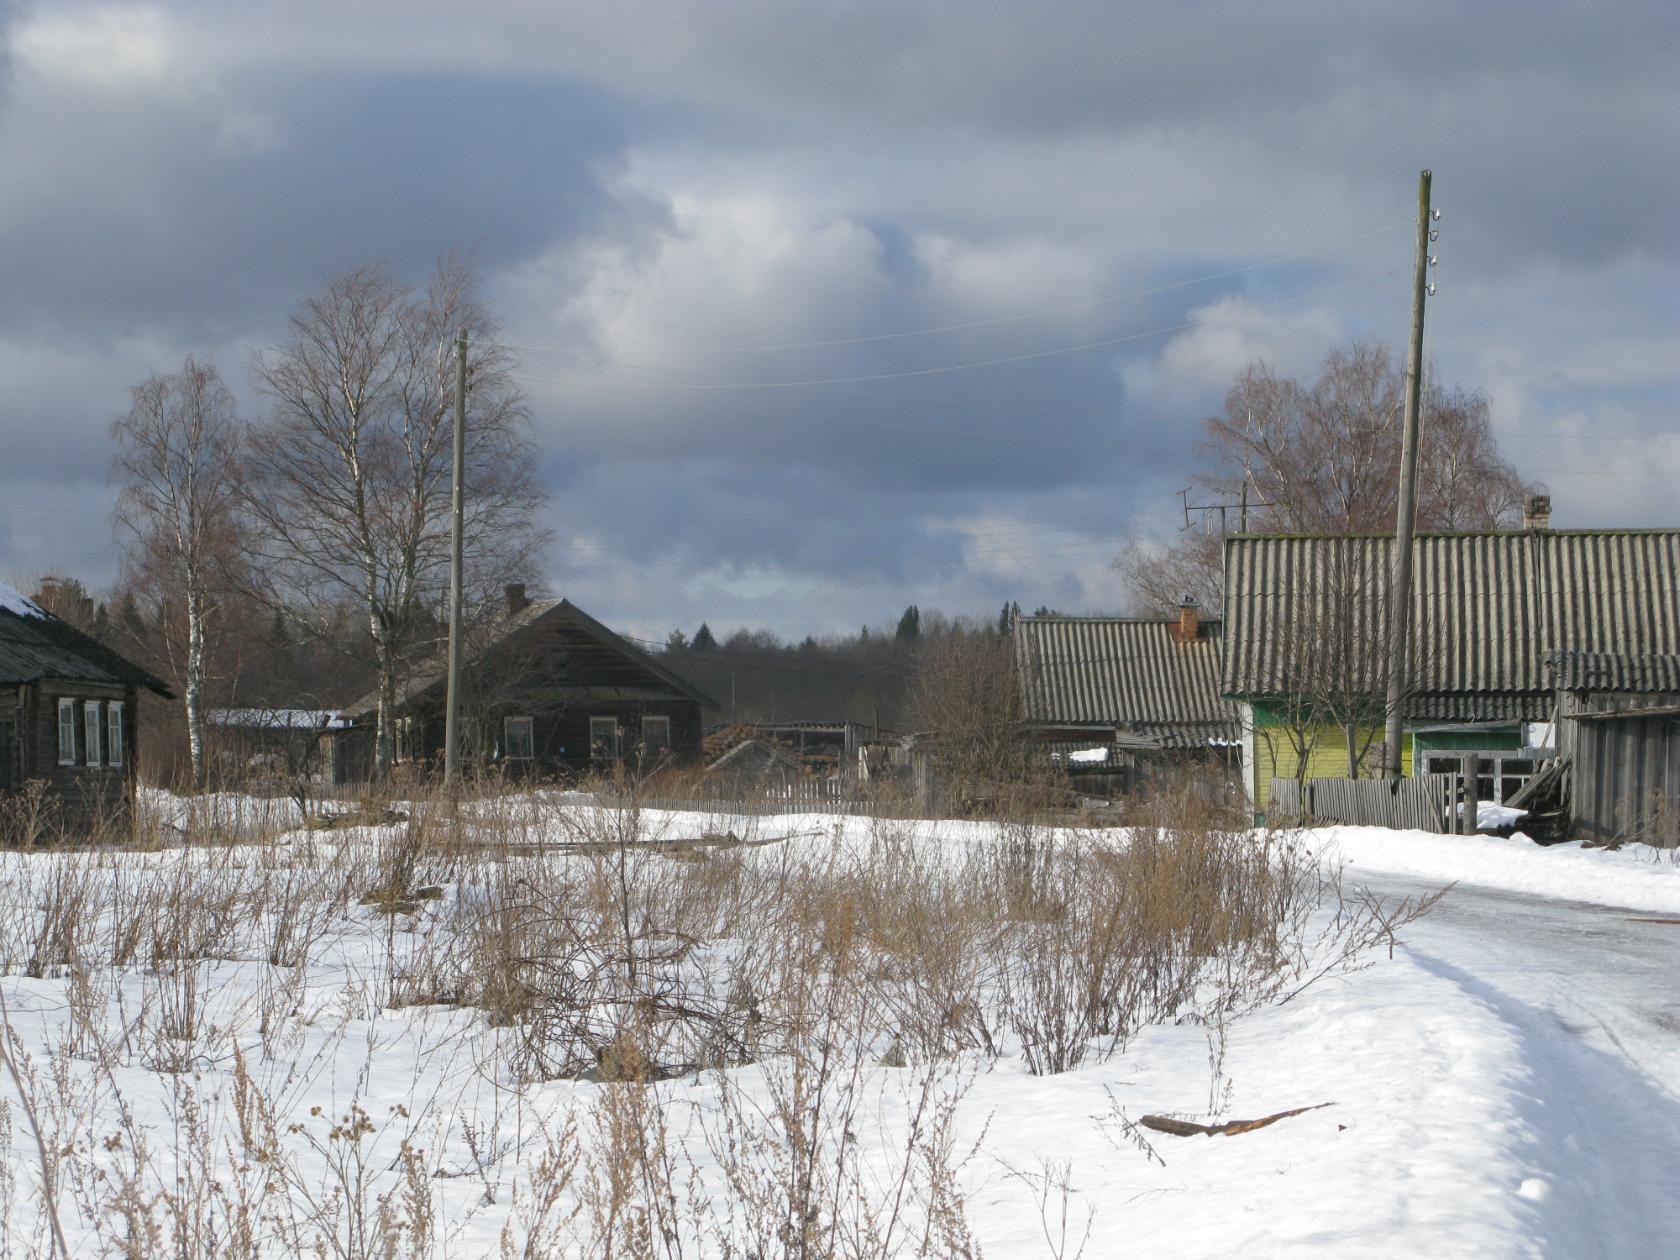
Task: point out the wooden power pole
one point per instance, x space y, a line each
1400 585
452 721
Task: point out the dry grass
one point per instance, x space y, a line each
803 987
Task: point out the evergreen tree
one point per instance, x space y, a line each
910 625
704 640
128 613
279 637
676 641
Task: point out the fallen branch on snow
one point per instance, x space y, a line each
1189 1128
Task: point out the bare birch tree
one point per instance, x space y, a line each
1323 457
177 466
349 477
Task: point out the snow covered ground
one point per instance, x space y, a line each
1504 1082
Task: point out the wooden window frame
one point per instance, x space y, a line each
530 727
114 750
616 752
93 720
656 719
66 726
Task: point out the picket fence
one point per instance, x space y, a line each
803 796
1421 803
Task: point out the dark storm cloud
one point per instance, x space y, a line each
190 220
658 186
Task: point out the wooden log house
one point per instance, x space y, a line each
69 722
547 692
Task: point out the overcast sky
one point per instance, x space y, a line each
665 199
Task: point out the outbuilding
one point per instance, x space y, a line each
1618 733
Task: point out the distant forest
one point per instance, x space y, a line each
755 676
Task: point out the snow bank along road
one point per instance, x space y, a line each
1591 994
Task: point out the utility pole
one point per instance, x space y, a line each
1400 585
451 721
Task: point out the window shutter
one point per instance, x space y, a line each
66 732
114 739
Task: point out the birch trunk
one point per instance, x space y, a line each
384 743
194 689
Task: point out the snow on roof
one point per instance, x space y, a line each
277 719
13 601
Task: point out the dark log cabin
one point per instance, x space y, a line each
547 692
69 717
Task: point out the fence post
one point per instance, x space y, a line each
1472 766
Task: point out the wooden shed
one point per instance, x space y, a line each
69 712
1619 730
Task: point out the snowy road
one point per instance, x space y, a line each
1594 994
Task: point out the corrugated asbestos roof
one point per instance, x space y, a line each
37 645
1487 609
1124 672
1643 674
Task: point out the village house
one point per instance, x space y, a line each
1307 633
69 717
546 691
1116 697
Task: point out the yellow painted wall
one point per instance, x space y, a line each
1275 757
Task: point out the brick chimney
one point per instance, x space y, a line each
1189 621
517 601
1537 511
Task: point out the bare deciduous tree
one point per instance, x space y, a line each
177 465
349 483
964 691
1323 457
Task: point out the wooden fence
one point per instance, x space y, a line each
1421 803
803 796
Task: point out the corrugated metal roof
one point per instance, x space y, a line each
1643 674
38 645
1487 607
1125 672
1499 706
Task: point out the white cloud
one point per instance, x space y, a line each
1196 367
104 48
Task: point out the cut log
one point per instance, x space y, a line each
1190 1128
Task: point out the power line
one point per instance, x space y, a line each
1055 352
994 320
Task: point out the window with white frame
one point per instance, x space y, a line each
95 726
603 738
66 732
114 733
656 737
518 743
404 740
